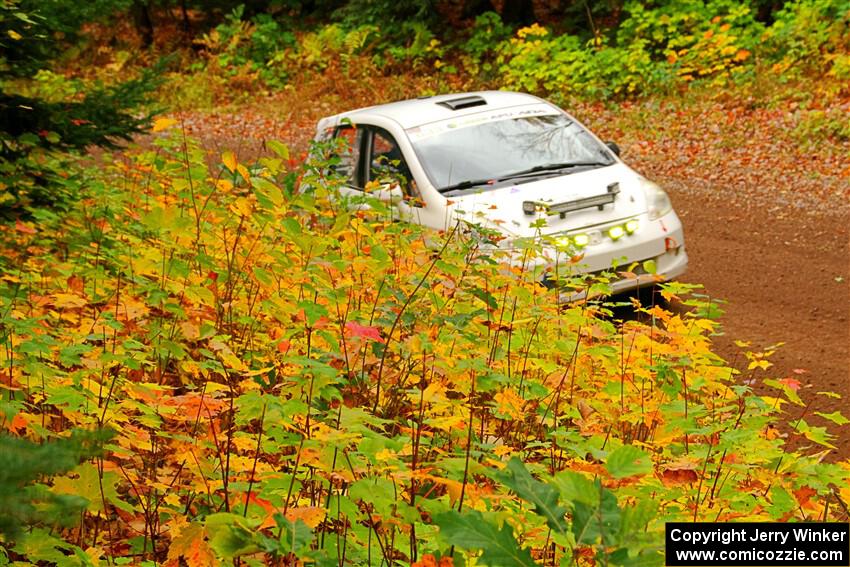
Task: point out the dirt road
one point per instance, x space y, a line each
766 220
779 287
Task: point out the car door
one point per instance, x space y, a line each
349 145
372 158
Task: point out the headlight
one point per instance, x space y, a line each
657 202
581 240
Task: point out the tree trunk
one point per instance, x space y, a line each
185 13
144 23
474 8
518 12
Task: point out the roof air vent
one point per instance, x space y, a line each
463 102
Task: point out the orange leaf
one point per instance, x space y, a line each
310 515
742 55
18 423
191 544
678 476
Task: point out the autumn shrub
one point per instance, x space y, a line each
331 45
535 60
293 379
238 45
479 49
811 35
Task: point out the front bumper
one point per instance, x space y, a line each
661 241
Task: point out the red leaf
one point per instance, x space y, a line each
792 383
21 227
355 329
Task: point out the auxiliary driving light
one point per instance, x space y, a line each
631 226
616 232
581 240
562 241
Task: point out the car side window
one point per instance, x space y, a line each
387 164
348 142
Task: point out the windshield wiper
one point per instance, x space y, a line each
552 167
468 184
536 170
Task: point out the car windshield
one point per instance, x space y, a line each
468 157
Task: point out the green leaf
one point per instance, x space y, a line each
279 148
295 537
231 535
834 417
312 311
781 502
85 481
790 393
574 487
644 558
628 460
543 496
817 434
471 531
265 188
599 521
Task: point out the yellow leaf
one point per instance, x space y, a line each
763 364
229 161
385 455
14 35
243 171
509 404
68 301
161 124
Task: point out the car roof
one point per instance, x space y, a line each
424 110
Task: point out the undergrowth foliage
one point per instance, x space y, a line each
289 381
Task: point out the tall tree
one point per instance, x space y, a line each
32 125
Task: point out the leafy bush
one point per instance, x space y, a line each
560 65
293 379
237 44
320 49
537 61
811 35
480 48
699 39
415 45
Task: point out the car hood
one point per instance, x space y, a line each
502 208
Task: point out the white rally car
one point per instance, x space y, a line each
519 165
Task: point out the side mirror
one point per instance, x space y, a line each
614 148
391 195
